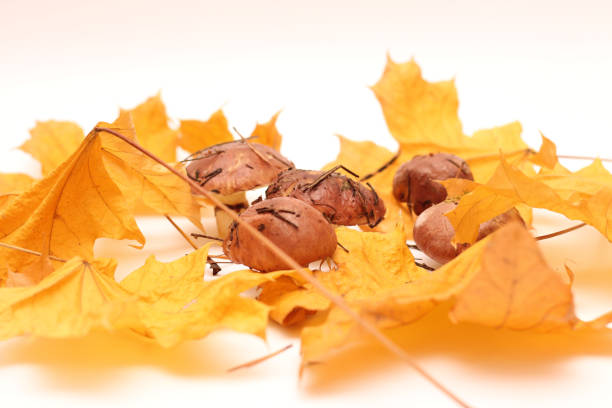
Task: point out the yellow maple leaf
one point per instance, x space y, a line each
501 281
418 112
585 195
142 181
52 142
291 302
267 133
14 183
11 185
166 302
176 304
376 262
152 130
547 155
64 213
422 117
197 135
75 299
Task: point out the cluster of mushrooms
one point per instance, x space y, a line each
301 207
414 183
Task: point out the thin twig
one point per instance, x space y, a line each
555 234
29 251
381 168
220 256
326 174
565 156
257 152
274 213
198 235
213 265
292 264
193 245
505 154
260 359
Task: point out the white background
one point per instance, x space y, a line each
544 63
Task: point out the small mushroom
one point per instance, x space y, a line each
342 200
294 226
230 169
433 232
414 182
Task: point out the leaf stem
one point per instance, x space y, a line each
564 231
214 265
565 156
381 168
193 245
292 264
198 235
29 251
505 154
258 153
260 359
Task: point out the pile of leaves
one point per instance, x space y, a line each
52 285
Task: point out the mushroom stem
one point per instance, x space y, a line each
237 202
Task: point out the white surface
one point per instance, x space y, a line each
544 63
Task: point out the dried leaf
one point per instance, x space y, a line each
267 133
152 130
167 302
52 142
11 185
65 212
514 288
176 304
418 112
142 181
14 183
291 303
547 155
376 262
77 298
196 135
501 281
422 117
585 195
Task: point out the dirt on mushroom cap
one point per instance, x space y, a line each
341 200
236 166
296 227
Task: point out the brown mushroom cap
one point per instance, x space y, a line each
227 168
414 183
296 227
341 200
433 232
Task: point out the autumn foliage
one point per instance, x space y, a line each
94 185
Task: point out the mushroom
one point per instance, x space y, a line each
230 169
414 182
433 233
294 226
341 200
